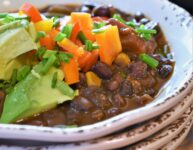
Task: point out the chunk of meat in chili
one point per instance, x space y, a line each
131 41
138 70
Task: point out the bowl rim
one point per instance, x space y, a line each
110 125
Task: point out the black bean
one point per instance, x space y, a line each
126 88
112 85
88 91
118 100
139 16
165 70
101 101
138 70
85 9
90 5
119 77
102 70
113 111
148 82
98 115
103 11
161 59
81 104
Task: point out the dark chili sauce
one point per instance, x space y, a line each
123 88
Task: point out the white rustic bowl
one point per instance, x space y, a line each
177 25
165 127
178 139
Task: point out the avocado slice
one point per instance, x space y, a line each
32 31
9 26
16 63
13 43
34 94
43 97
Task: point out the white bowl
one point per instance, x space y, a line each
177 25
137 134
162 129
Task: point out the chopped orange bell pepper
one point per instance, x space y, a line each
48 40
85 22
89 35
71 71
53 33
112 35
44 25
84 59
105 53
110 45
76 29
69 46
88 59
31 11
84 19
91 61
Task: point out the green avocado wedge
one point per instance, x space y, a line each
15 40
34 94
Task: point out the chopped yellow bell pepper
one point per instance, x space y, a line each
92 79
122 60
44 25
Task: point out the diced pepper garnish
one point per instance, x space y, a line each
47 42
71 71
75 30
109 43
44 25
85 22
122 60
91 60
31 11
70 47
92 79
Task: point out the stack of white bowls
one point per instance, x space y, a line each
162 124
